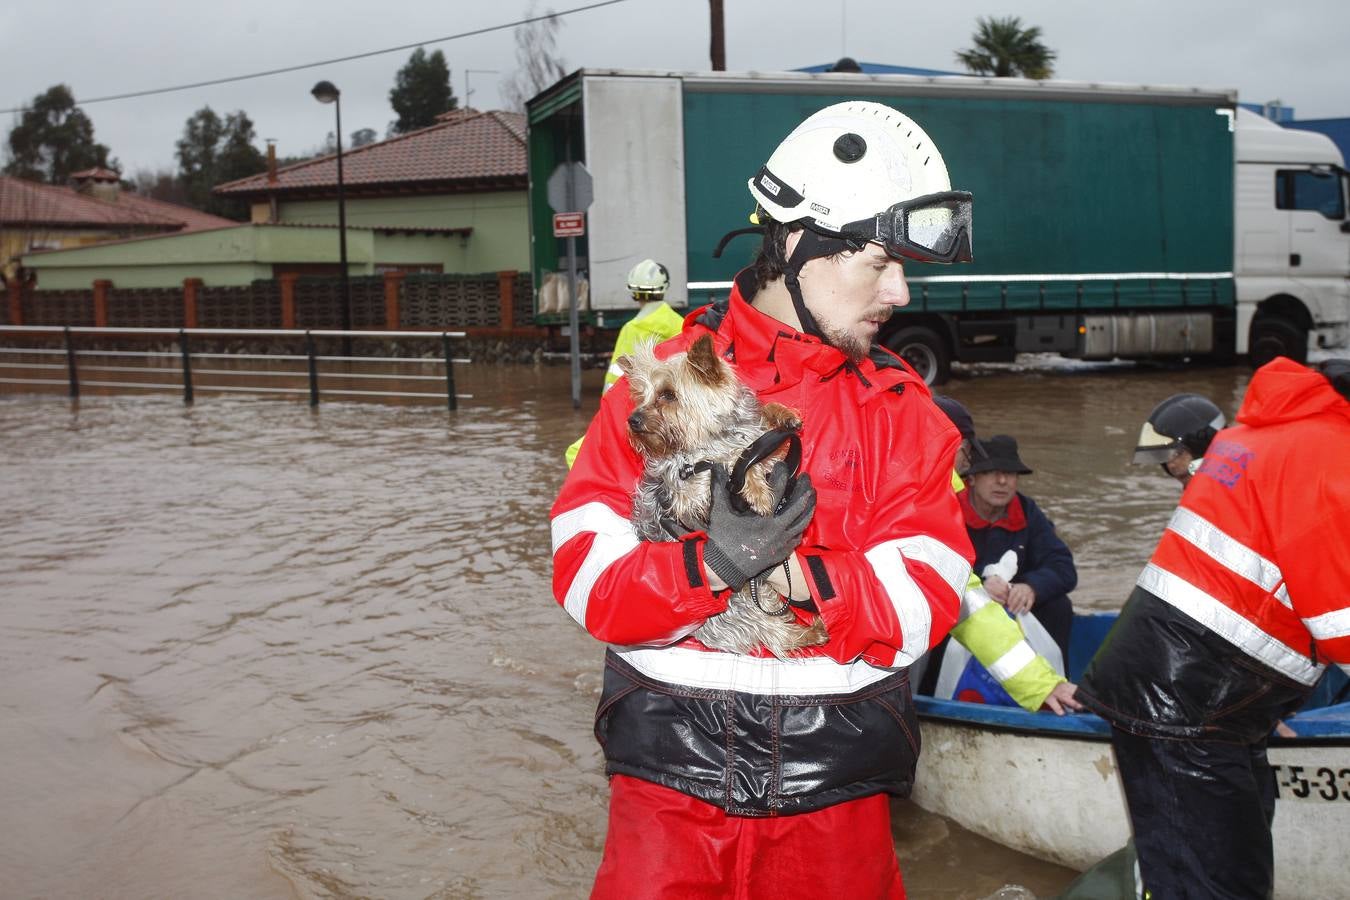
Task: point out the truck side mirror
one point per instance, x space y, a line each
1345 228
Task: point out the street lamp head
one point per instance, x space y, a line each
326 92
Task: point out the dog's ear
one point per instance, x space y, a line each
704 363
637 365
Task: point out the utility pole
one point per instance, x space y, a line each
719 38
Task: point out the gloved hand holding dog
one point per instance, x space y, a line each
740 544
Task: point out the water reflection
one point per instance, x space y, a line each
253 649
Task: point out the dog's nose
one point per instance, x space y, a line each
635 422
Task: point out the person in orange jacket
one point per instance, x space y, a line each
1229 627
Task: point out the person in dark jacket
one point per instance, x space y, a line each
999 519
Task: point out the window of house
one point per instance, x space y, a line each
1310 190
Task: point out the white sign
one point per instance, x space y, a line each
569 224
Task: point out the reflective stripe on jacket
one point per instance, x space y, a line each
885 556
1257 556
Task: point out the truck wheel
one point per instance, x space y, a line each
925 352
1272 337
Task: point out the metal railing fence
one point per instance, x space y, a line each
190 381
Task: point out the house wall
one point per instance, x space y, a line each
451 251
150 276
221 257
16 241
500 239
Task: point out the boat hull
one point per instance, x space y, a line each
1057 795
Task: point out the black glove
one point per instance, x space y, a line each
741 545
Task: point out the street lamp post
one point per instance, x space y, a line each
327 92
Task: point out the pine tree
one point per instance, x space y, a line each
421 91
213 151
54 138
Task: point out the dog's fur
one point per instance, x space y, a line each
689 408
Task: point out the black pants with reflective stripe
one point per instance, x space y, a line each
1201 814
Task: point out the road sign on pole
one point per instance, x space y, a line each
569 224
569 195
570 188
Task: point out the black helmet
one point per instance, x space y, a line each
1187 421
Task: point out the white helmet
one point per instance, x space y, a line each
648 280
865 172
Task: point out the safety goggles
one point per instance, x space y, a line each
933 228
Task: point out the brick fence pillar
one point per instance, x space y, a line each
287 282
506 290
393 285
101 288
191 289
14 297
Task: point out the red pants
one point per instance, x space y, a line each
664 845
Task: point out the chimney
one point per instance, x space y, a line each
268 213
99 183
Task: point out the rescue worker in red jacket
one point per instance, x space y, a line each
748 775
1228 629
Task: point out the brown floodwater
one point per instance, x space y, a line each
250 649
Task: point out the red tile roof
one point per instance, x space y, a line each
29 203
472 150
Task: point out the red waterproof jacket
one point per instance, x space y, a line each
1244 601
1260 545
887 559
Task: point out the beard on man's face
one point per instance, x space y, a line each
850 344
846 343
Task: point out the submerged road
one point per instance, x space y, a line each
252 650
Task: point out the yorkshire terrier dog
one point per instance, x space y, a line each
691 410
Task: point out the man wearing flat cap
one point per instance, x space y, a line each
999 519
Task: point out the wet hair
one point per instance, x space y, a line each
771 261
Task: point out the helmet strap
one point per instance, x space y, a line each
811 245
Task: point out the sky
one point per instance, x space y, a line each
1293 52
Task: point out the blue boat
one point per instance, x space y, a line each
1047 785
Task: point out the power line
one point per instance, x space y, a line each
329 62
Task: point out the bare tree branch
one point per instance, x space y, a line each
537 62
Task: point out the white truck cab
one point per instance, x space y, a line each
1291 241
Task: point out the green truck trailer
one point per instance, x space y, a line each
1106 217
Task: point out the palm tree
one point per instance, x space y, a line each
1003 48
